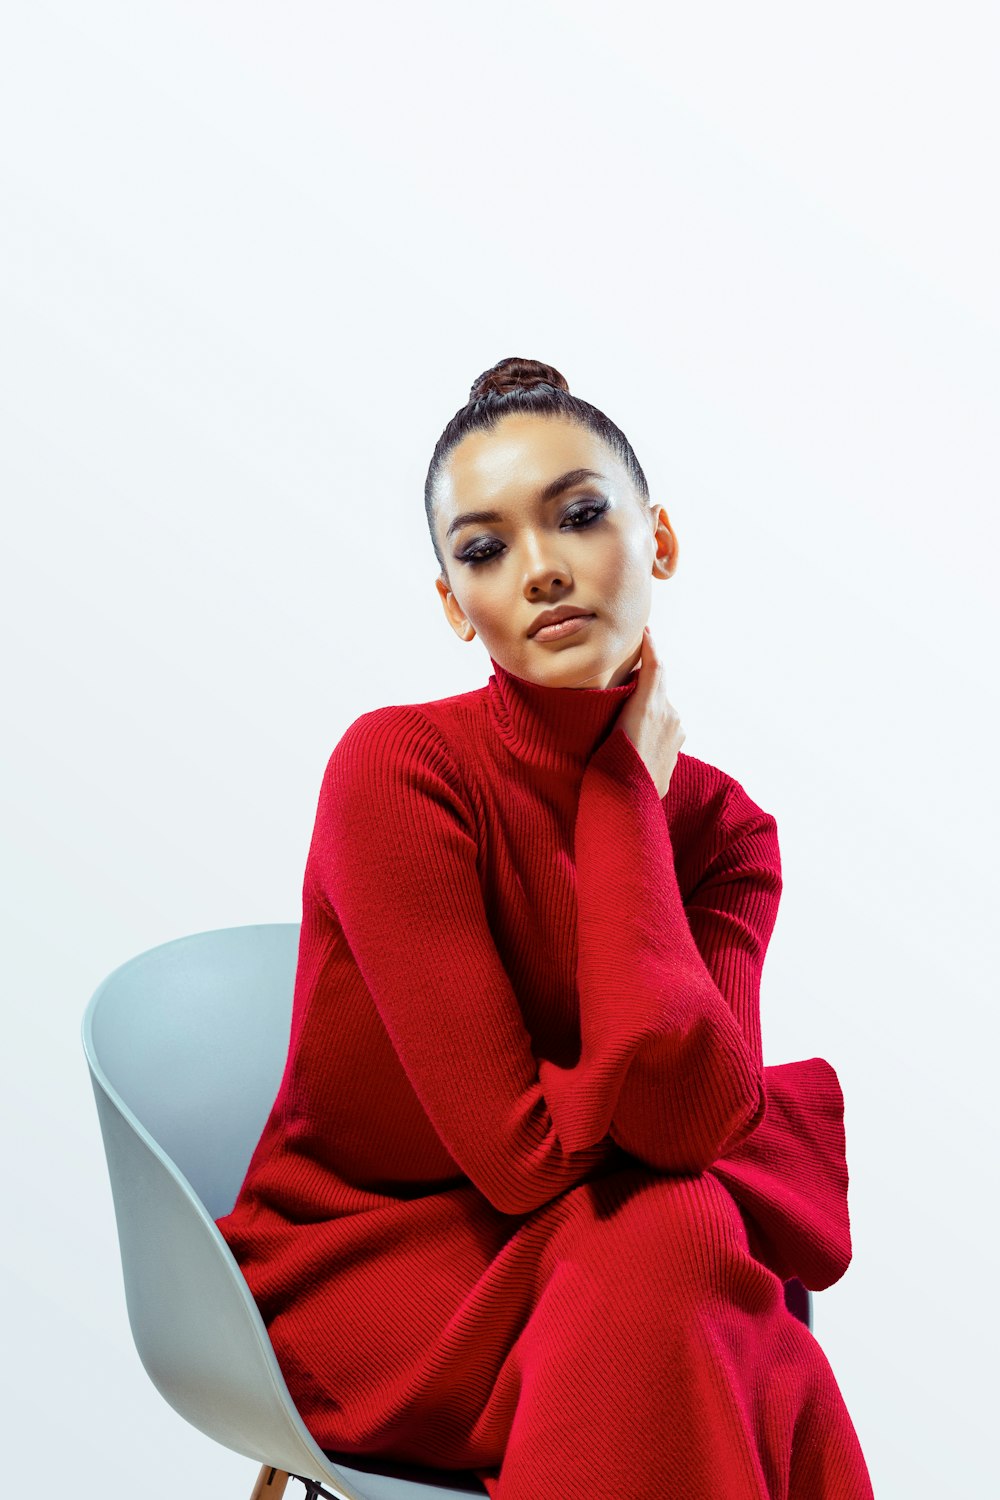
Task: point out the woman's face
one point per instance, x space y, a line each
588 544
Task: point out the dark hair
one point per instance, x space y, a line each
524 385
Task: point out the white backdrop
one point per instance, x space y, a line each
253 257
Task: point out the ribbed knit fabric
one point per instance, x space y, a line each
527 1195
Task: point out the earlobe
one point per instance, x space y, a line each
664 563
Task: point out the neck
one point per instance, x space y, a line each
555 728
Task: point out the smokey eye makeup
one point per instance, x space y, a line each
580 515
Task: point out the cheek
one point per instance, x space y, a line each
624 564
623 579
486 604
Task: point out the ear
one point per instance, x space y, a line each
665 543
453 612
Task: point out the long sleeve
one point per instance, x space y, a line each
394 856
670 1060
733 909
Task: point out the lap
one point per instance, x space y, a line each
639 1232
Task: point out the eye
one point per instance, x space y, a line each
583 515
586 514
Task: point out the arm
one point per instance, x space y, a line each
394 856
670 1031
733 909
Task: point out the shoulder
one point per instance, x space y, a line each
437 731
716 824
399 754
393 737
391 800
706 793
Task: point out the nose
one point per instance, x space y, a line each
551 581
544 574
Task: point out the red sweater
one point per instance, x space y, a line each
525 983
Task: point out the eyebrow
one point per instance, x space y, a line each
551 491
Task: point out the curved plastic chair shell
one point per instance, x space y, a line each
186 1045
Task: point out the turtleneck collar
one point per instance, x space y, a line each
555 728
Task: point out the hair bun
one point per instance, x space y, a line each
516 374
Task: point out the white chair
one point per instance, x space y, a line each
186 1046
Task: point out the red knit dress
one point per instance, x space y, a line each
527 1194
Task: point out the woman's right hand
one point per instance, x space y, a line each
650 719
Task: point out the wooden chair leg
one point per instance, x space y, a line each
270 1484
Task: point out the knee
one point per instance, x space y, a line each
651 1232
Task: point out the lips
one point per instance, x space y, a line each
553 616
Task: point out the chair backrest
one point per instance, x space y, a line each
193 1037
186 1045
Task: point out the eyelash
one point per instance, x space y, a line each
593 510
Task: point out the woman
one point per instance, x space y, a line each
527 1195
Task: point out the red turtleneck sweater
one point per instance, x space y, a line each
526 1196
